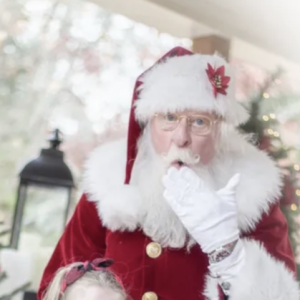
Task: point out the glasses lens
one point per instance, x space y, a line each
167 121
200 125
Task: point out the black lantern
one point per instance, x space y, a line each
44 197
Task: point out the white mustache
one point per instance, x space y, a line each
186 156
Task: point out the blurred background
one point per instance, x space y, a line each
67 71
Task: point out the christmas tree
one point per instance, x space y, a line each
263 126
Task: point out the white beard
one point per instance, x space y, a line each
158 221
127 207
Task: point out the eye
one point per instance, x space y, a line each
198 122
170 117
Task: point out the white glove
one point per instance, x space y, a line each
209 216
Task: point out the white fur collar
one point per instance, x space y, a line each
119 204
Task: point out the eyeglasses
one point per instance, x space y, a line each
199 124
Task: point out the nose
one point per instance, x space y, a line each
181 134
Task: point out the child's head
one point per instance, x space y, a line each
85 281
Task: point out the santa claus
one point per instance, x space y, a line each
185 206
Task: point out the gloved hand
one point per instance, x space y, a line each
209 216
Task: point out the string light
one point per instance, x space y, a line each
294 207
270 131
266 95
298 193
265 118
275 133
296 167
272 116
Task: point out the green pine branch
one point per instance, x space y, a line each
259 96
262 124
281 102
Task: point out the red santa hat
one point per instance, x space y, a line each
182 80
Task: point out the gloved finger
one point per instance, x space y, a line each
171 200
190 176
231 186
170 186
173 187
168 182
233 182
168 196
181 183
173 173
175 179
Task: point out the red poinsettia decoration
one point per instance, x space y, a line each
218 79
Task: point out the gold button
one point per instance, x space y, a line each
153 250
150 296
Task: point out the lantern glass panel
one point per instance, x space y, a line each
43 216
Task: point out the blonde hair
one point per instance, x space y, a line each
103 278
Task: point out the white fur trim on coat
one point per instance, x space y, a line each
119 204
181 83
261 278
211 289
260 184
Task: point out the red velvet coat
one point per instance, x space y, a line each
267 272
174 275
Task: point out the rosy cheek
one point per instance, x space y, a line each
161 139
205 147
161 143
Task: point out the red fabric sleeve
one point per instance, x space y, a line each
83 239
272 232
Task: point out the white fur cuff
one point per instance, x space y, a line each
261 278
